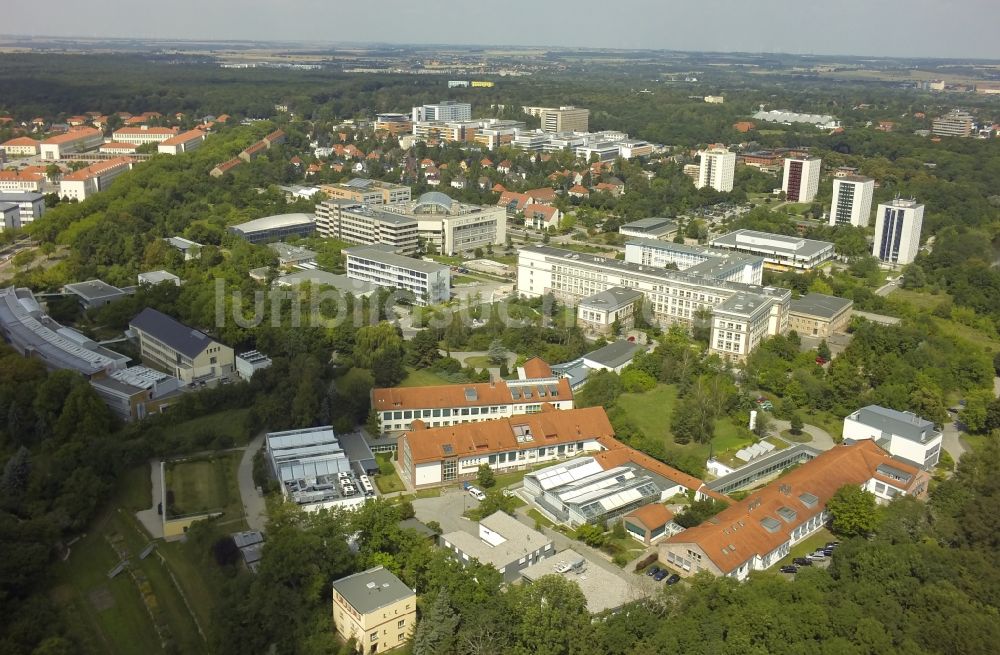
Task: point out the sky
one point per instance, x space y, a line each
903 28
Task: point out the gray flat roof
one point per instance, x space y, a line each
902 424
654 225
339 282
158 276
274 222
614 354
612 299
93 290
388 257
603 589
20 196
769 242
818 304
519 539
369 590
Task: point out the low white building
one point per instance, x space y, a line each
778 250
157 277
250 362
503 542
903 434
143 135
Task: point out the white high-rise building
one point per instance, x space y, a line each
801 179
852 201
717 169
897 231
446 110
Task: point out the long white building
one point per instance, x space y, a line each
85 182
741 314
447 110
429 282
366 224
897 231
852 201
800 181
778 250
717 169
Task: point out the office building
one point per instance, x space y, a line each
398 408
852 200
717 169
741 314
116 148
136 392
447 110
367 192
95 178
565 119
779 251
801 178
32 333
314 469
714 263
426 282
142 135
954 123
274 228
503 542
755 533
897 231
181 143
904 435
78 140
184 352
375 609
394 124
432 456
650 228
448 226
819 315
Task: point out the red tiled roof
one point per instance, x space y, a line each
541 195
145 130
738 528
618 454
653 515
454 395
226 165
75 135
20 141
97 169
549 427
183 137
536 368
580 190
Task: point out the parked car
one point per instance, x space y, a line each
653 570
476 493
802 561
789 569
662 573
828 552
832 544
673 579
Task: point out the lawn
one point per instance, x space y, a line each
387 480
795 438
205 484
922 301
422 378
228 423
777 443
540 519
651 412
479 361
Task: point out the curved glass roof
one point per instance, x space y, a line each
433 202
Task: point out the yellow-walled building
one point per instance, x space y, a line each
374 608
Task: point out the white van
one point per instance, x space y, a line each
476 493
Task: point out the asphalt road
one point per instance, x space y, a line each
254 507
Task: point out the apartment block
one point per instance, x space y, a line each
800 181
429 282
85 182
717 169
897 231
143 135
30 204
852 200
446 110
954 123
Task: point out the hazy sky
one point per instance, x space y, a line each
932 28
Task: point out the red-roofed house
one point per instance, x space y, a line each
614 189
498 188
76 121
486 162
651 523
541 217
542 195
85 182
513 201
578 191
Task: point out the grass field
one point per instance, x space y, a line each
225 423
206 484
479 361
922 301
651 412
387 480
421 378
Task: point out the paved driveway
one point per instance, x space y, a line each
447 510
253 503
150 518
821 439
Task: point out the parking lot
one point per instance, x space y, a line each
447 510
